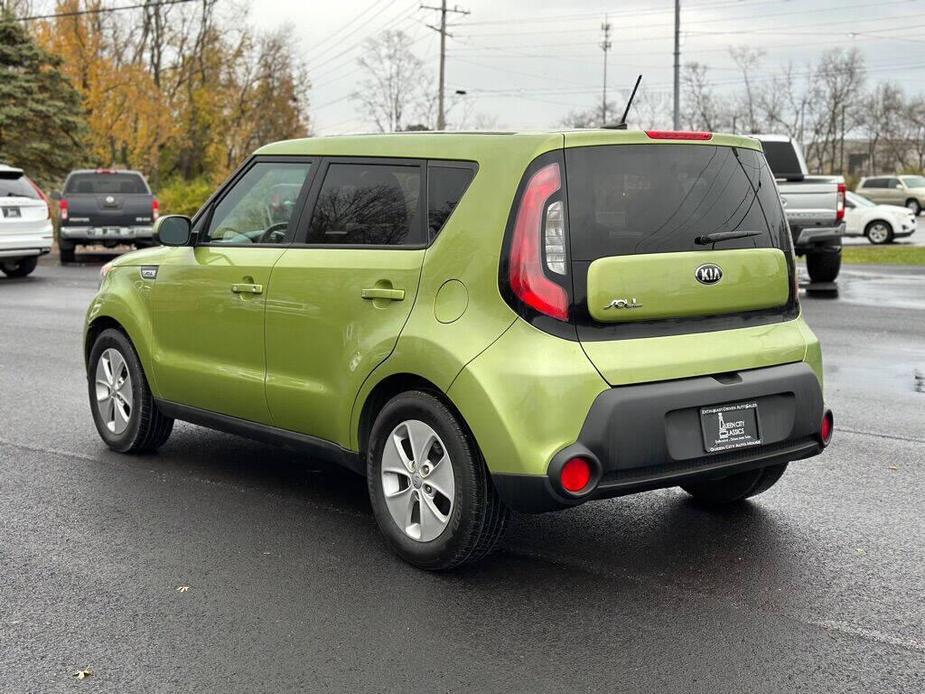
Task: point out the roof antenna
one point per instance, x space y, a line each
622 124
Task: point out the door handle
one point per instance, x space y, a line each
383 293
247 288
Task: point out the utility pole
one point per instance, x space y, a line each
605 46
441 112
677 64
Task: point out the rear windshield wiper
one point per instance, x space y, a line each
724 236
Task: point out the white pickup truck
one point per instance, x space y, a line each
26 230
815 207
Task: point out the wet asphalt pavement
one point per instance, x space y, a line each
816 586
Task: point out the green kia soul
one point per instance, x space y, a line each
477 323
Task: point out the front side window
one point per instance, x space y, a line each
259 207
368 204
914 181
893 183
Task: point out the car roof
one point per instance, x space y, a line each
10 169
475 145
104 171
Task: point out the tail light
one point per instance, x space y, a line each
840 202
41 194
678 135
62 210
538 218
155 209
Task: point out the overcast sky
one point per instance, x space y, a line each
527 63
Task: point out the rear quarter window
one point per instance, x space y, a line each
106 184
445 188
634 199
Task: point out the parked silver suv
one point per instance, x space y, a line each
908 191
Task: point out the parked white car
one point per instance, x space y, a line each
879 223
26 230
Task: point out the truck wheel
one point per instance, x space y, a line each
20 267
430 491
878 232
914 205
66 253
823 264
123 408
735 488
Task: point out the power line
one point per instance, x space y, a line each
102 10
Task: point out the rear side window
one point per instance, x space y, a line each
368 204
16 187
106 183
875 183
445 188
633 199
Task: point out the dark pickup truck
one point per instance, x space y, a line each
105 207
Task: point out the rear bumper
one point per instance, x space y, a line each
649 436
102 234
21 243
808 236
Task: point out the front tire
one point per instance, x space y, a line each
735 488
123 408
823 264
879 232
20 267
429 488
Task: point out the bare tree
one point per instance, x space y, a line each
392 89
782 106
835 86
700 110
747 59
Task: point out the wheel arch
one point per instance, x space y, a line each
390 386
877 220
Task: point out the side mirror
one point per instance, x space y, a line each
56 195
173 230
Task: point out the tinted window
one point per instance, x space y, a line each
782 158
891 183
874 183
373 204
445 188
259 207
631 199
102 183
18 187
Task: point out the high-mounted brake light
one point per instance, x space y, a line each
105 171
62 210
526 273
155 209
840 202
678 135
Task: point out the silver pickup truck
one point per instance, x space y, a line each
815 207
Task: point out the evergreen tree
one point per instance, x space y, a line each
42 125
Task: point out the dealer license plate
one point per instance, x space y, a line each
727 427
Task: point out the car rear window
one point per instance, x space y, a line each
106 183
633 199
782 158
16 187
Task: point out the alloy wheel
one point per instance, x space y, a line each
878 233
417 480
113 391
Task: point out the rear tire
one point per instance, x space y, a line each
735 488
124 411
66 254
823 264
914 205
879 232
19 267
413 436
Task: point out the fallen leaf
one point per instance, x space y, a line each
182 589
893 467
83 674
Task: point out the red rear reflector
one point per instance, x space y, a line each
155 209
575 475
678 135
827 428
840 202
527 278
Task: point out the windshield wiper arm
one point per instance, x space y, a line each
724 236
